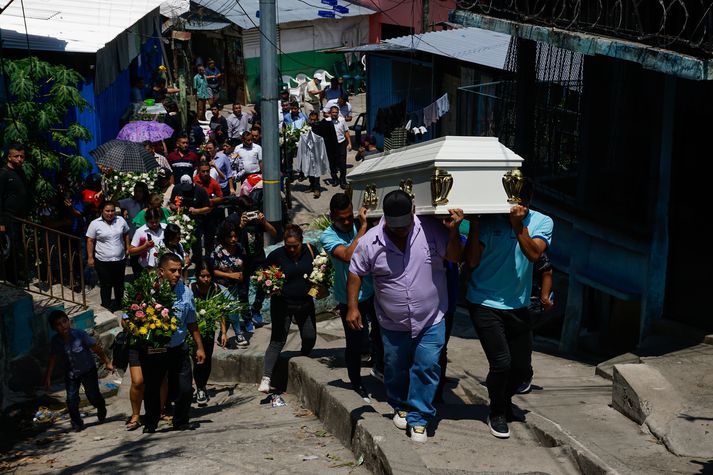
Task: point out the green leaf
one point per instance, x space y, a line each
43 189
22 86
69 77
79 132
76 165
66 95
46 118
63 140
23 109
16 131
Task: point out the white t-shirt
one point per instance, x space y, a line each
341 128
344 111
141 236
108 238
250 158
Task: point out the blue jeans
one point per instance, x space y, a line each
90 381
235 318
412 372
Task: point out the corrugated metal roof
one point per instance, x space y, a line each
287 10
206 25
473 45
82 26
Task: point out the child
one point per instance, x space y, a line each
79 368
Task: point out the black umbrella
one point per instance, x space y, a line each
124 156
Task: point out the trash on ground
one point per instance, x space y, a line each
277 401
360 460
309 457
43 415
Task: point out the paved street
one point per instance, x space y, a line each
239 432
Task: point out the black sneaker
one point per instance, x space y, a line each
512 416
525 387
101 414
363 393
149 430
78 426
185 426
201 398
498 426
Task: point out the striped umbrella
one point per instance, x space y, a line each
124 156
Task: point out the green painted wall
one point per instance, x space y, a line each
290 63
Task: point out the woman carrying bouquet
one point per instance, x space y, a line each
293 301
171 243
203 289
227 259
147 237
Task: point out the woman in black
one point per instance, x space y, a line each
204 288
295 260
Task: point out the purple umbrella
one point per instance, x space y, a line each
142 130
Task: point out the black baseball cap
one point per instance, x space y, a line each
398 209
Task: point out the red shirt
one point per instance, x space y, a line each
213 188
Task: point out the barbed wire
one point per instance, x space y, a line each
682 25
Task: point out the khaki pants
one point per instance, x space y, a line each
200 108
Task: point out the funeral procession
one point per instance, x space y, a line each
354 237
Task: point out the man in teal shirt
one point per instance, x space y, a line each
501 250
339 240
202 92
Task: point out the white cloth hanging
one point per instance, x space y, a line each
443 105
311 155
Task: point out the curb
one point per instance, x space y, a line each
550 434
356 424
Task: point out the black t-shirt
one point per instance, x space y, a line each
14 194
296 286
195 197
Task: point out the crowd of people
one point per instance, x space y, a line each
396 281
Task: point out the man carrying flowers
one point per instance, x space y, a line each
172 360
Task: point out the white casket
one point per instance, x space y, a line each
448 172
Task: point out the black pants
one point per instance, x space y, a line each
201 372
314 183
358 341
136 267
341 162
111 277
506 337
282 311
197 248
90 381
177 365
14 269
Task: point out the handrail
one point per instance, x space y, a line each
42 259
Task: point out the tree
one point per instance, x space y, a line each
40 96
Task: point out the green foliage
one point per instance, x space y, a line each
41 95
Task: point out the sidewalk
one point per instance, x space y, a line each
570 426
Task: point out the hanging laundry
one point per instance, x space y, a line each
443 105
430 115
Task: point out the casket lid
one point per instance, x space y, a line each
449 152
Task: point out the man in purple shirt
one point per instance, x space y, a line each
404 254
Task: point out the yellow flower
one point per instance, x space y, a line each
173 327
143 330
164 326
152 326
162 68
150 311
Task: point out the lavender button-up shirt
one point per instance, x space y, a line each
410 287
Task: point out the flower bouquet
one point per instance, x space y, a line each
321 277
120 185
148 311
211 310
270 280
290 137
186 223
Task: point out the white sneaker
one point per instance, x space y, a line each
400 419
241 341
418 434
377 374
264 385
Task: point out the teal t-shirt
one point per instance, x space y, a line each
330 239
503 279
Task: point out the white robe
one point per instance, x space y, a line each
311 155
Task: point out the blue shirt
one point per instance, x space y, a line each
503 279
185 310
296 122
77 354
330 239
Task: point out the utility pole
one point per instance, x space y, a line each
272 198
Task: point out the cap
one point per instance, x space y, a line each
186 180
398 209
164 172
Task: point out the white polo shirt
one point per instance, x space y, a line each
108 238
250 158
140 238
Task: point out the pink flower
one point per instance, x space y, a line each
158 306
140 314
164 312
259 278
268 282
134 307
143 305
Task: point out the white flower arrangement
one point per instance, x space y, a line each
120 185
187 225
322 275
